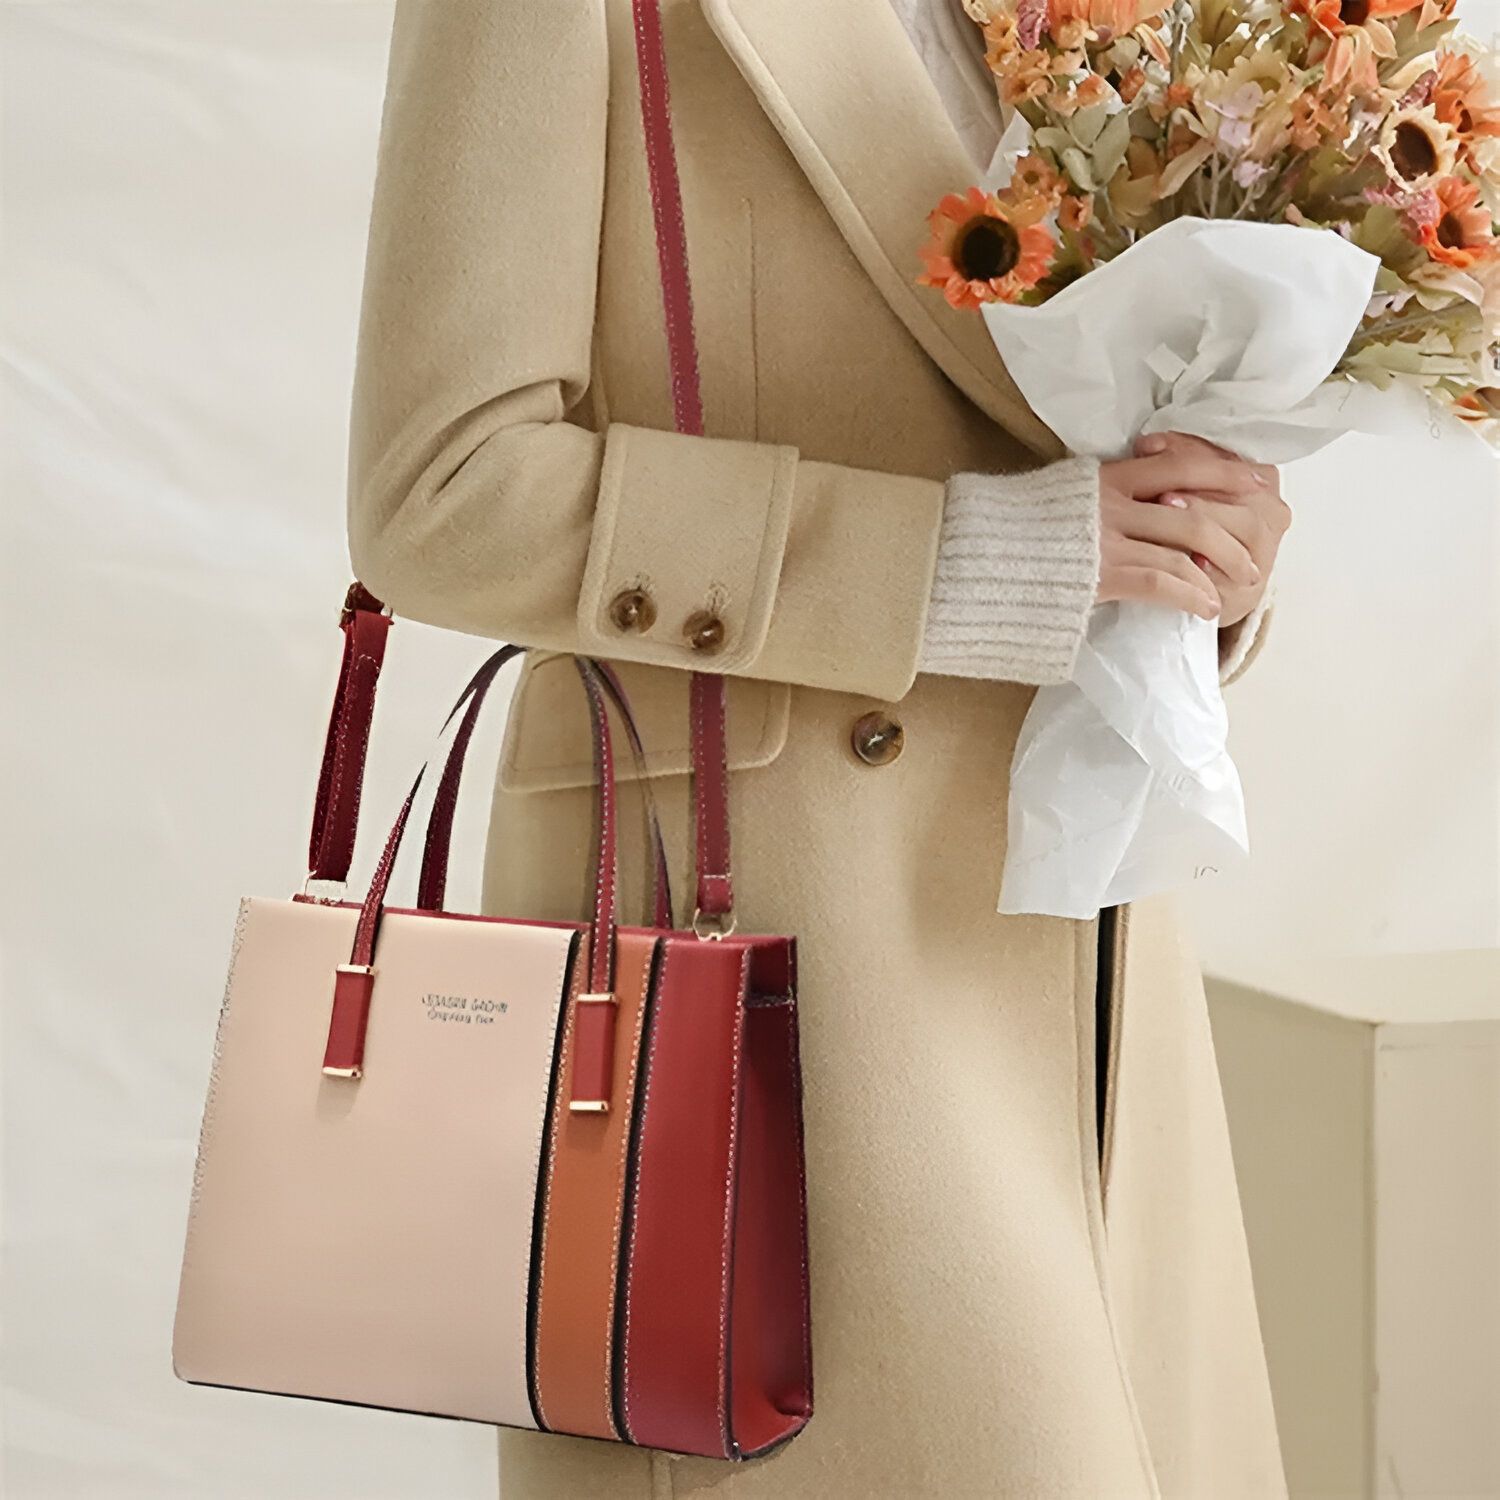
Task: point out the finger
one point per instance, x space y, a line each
1259 521
1159 442
1159 575
1273 515
1197 469
1190 526
1151 586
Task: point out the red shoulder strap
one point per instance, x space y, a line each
710 781
365 622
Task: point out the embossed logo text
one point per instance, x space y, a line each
463 1010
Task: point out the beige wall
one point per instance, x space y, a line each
1368 1153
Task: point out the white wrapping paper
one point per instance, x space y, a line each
1122 785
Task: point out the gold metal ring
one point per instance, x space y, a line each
713 927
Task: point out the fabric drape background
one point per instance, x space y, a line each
186 189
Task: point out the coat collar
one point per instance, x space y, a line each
851 98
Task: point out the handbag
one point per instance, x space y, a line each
537 1174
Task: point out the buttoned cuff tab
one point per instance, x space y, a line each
686 552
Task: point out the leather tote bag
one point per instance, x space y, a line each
543 1175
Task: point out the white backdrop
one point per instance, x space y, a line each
185 186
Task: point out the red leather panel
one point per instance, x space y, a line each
770 1352
675 1313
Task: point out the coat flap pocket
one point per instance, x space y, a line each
547 743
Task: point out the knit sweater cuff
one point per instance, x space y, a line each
1240 644
1017 574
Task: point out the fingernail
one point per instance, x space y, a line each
1254 574
1152 443
1177 502
1262 476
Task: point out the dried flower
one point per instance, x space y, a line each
1463 233
1417 147
1076 211
987 247
1131 83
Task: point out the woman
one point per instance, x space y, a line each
1015 1292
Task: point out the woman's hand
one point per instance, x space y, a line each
1190 526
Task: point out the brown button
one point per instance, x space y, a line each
633 609
877 739
704 632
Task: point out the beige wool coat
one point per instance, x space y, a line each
996 1313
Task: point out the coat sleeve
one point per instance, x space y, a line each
479 497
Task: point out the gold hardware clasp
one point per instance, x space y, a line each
712 927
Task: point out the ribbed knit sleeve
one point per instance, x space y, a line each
1017 574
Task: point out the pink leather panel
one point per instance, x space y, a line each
371 1240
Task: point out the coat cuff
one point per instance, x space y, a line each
1017 574
739 495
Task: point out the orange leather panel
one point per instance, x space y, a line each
575 1293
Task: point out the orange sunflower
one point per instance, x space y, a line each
1354 36
1335 17
1462 234
987 247
1461 98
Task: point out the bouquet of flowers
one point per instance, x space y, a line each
1365 117
1235 218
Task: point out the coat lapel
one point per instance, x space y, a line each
849 95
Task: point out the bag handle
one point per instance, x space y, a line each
433 884
594 1024
713 916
